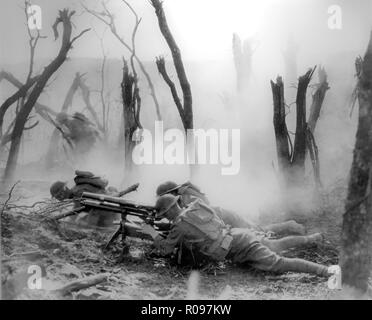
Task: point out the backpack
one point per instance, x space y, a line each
86 177
213 229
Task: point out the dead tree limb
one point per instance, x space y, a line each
82 283
187 114
102 89
71 92
108 19
42 110
86 97
299 148
318 98
160 63
314 156
5 205
356 238
280 127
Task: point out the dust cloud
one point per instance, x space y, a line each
204 33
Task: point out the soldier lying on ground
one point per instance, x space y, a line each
86 181
188 192
198 228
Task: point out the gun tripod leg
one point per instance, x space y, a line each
113 238
125 249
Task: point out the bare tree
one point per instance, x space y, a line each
64 17
242 53
108 19
356 240
131 113
291 157
102 90
43 111
185 108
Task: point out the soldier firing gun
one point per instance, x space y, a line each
107 205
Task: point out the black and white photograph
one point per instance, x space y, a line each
186 155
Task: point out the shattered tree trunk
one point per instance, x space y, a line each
299 148
283 142
356 253
316 106
242 53
291 159
22 116
131 114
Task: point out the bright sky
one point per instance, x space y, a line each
202 28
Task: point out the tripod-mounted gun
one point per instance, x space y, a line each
107 204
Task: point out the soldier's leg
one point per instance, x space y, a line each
263 258
247 249
279 245
290 227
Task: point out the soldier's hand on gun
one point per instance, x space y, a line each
149 230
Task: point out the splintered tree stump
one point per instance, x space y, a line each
291 157
242 53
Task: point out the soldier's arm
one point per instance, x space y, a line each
167 245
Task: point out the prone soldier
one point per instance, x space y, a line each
188 192
86 181
199 229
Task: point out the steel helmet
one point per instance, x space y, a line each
164 203
57 187
166 187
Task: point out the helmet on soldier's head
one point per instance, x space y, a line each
61 117
166 187
164 203
80 116
56 188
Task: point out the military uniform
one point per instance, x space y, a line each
86 181
190 192
201 231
